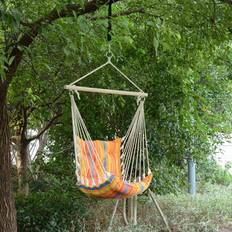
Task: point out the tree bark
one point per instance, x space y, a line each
7 209
22 158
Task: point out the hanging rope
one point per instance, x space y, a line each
109 35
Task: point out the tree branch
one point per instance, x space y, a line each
45 128
123 13
51 103
24 123
69 10
227 1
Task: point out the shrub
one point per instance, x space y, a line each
210 171
58 209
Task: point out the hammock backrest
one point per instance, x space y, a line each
109 155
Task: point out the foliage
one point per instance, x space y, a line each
211 172
172 177
209 211
50 211
169 177
184 60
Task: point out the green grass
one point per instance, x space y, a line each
208 212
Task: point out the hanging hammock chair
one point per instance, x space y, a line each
111 169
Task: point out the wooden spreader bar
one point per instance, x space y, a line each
105 91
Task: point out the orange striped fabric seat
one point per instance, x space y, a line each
97 156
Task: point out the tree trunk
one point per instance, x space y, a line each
7 208
22 158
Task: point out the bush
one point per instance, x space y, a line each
168 177
61 208
210 171
173 177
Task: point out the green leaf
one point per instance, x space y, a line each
156 44
66 52
11 60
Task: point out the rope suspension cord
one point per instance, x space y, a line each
109 35
135 151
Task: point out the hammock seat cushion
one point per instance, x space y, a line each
95 182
